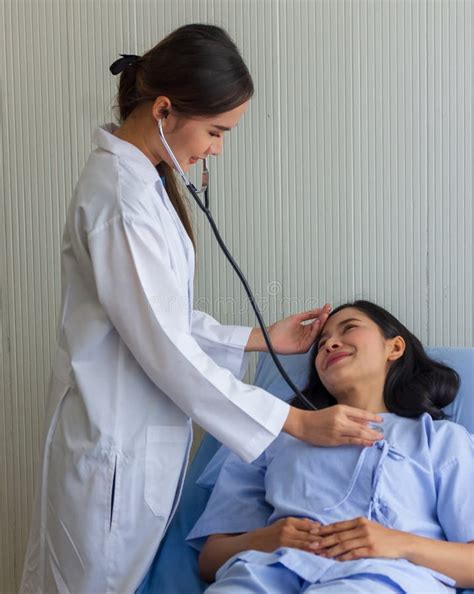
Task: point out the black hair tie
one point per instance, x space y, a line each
126 60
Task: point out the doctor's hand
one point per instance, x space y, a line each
291 336
333 426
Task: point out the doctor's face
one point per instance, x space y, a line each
353 352
192 139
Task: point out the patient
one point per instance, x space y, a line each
394 517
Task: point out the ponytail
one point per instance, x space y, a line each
199 68
128 98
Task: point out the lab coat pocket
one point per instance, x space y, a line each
166 448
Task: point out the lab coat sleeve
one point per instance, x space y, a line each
237 503
142 297
224 344
454 484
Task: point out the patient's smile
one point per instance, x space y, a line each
333 359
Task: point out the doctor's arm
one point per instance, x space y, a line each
227 344
141 295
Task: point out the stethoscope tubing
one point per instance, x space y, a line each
204 207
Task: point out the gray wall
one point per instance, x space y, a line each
350 176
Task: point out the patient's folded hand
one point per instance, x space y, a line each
358 538
287 532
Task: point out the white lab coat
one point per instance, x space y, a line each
134 363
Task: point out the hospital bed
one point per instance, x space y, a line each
175 568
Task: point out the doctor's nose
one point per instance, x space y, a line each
216 147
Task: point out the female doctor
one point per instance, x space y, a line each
135 363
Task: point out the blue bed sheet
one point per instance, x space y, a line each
175 569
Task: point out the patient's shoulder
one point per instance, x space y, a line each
448 441
447 431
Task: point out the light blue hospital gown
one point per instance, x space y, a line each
419 479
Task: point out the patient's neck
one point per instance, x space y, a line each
366 396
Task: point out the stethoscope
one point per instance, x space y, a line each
204 206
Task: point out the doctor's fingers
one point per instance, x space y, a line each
352 433
317 325
344 425
328 428
364 435
311 314
358 431
357 414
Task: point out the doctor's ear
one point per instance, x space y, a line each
161 108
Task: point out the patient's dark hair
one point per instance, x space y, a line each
415 384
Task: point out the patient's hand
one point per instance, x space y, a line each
287 532
358 538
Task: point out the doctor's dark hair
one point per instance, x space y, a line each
415 383
199 68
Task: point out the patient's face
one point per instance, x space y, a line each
352 351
